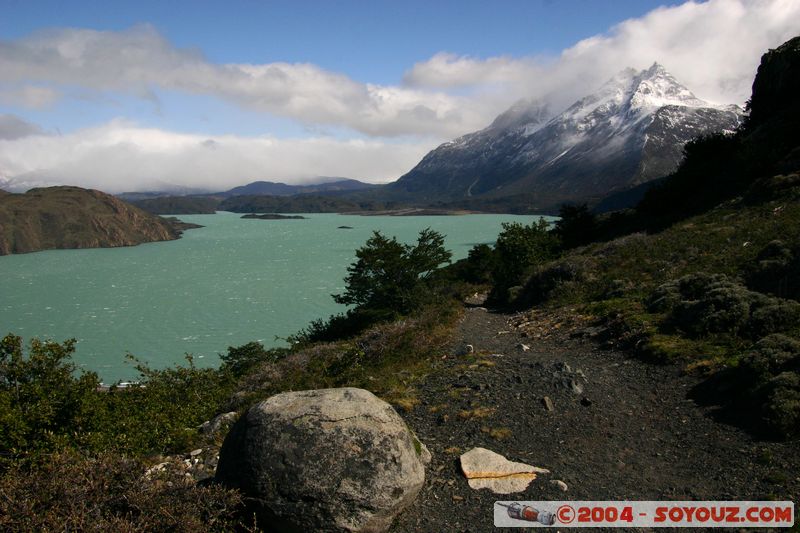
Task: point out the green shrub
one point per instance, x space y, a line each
765 386
549 279
773 315
781 407
518 250
161 413
44 405
701 304
240 359
776 271
374 359
769 357
477 267
723 309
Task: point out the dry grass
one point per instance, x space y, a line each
433 409
70 492
476 413
406 403
497 433
457 392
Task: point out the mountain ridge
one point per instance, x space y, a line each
631 130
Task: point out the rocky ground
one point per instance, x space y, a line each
614 427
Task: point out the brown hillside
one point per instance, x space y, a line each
71 217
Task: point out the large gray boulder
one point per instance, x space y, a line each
323 460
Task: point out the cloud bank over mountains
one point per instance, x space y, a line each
713 48
121 156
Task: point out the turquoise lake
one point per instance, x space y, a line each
226 284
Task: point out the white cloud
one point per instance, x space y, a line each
29 96
713 48
120 156
13 127
138 59
445 70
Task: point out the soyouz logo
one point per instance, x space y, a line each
644 514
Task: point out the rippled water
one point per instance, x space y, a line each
226 284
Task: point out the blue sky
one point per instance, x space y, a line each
370 41
127 94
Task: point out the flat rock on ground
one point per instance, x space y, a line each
620 428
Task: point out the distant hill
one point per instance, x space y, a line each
632 130
71 217
179 205
156 203
301 203
282 189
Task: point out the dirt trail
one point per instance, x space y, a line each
620 429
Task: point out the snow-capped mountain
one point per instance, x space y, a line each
630 131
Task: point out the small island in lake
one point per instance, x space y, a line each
274 216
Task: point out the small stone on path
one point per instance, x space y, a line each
548 403
485 469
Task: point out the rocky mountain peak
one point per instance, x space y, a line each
629 131
655 87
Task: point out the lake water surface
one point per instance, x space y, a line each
226 284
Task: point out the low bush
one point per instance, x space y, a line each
546 281
161 413
701 304
46 405
240 359
769 357
763 389
776 271
71 492
781 405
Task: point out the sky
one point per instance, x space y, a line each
126 96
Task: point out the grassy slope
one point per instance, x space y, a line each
620 275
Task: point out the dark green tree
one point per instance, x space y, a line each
518 249
479 264
576 226
388 277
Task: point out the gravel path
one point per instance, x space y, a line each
620 428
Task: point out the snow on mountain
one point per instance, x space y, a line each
631 130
